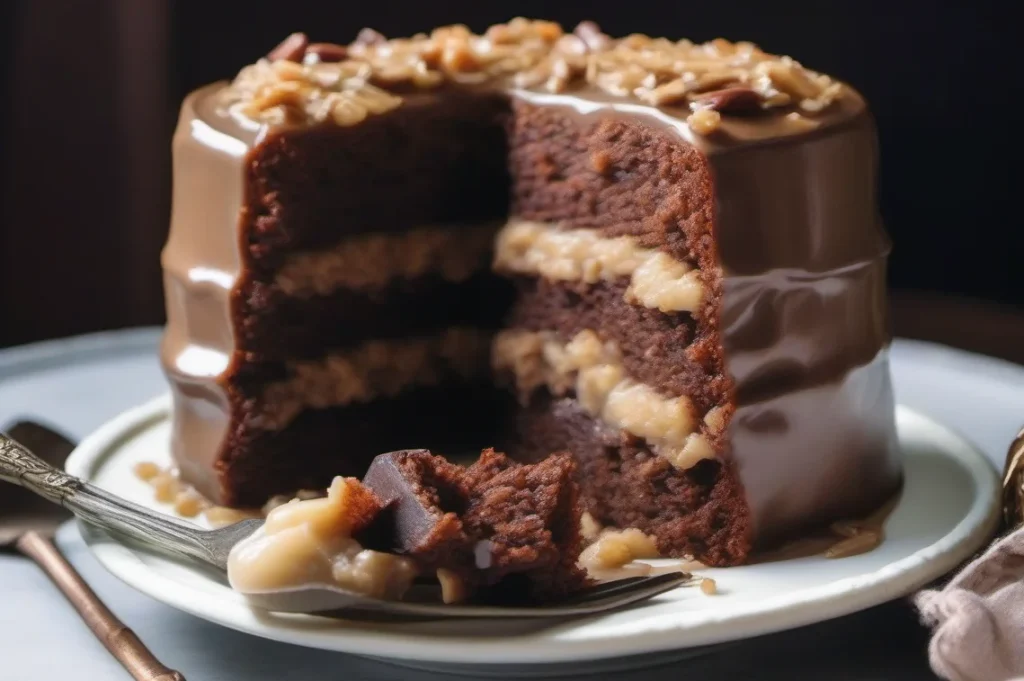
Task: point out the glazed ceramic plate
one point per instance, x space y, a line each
948 509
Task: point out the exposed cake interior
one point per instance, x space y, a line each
366 307
497 529
662 257
606 250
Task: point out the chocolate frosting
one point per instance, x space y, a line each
805 326
201 265
804 316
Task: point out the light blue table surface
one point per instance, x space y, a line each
78 384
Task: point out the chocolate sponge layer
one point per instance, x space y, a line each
276 326
321 443
437 160
698 512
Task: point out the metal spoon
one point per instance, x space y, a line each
27 525
212 547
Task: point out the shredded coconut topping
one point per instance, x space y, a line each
303 83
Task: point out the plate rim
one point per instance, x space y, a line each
844 596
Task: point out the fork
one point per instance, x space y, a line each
28 524
211 548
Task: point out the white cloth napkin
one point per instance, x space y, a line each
978 617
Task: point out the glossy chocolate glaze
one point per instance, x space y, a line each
805 327
201 265
804 315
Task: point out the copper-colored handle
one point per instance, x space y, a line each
118 639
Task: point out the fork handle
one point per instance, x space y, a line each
121 641
100 508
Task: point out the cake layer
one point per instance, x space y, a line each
372 262
374 370
319 444
657 280
276 325
621 175
591 370
446 154
700 511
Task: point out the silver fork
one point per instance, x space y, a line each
211 548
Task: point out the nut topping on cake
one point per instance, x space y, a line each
326 52
291 48
704 121
324 81
367 37
592 37
729 100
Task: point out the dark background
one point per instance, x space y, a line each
91 90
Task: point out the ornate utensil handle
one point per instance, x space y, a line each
102 509
22 467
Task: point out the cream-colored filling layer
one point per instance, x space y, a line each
376 369
615 548
657 280
595 372
310 542
373 260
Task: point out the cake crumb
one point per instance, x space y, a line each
708 586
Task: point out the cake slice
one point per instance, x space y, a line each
497 529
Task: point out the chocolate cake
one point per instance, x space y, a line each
496 529
663 257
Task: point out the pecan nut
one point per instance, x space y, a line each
704 121
291 48
328 52
368 37
591 35
730 100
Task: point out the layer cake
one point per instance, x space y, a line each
661 256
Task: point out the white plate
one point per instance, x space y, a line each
948 509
